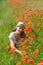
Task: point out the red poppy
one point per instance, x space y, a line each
42 18
32 37
30 61
37 11
13 2
17 15
36 53
19 63
28 29
22 0
31 21
41 63
23 59
39 18
38 25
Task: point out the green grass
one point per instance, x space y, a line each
8 21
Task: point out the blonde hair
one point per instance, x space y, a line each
21 25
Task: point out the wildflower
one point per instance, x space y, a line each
23 54
35 52
19 63
31 21
23 59
32 37
37 11
28 13
27 29
30 61
38 25
41 63
22 0
39 18
17 15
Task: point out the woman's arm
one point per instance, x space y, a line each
12 44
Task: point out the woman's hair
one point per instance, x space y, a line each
21 25
23 34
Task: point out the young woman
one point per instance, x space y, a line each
15 36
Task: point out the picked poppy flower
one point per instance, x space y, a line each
36 53
13 50
19 63
22 0
41 63
23 54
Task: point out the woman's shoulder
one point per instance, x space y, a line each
11 34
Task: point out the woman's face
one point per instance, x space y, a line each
19 29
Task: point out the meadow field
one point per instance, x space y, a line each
31 13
